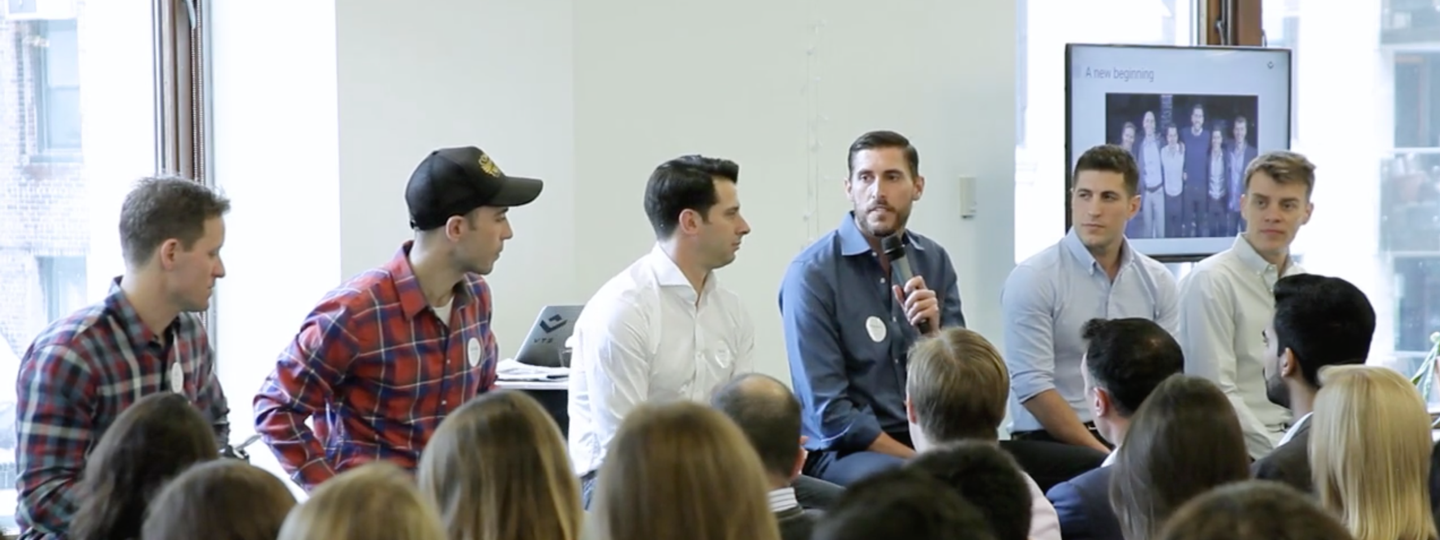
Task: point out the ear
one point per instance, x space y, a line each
919 187
800 459
167 252
454 227
1134 206
1102 402
689 221
910 411
1309 209
1289 367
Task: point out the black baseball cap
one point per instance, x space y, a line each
455 181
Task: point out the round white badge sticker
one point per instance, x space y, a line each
876 328
177 378
472 352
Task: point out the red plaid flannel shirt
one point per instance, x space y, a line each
376 371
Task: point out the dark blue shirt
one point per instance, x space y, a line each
847 336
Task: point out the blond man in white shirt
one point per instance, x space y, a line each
663 329
957 390
1227 301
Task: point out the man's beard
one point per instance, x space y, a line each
1277 392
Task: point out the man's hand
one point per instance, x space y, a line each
920 304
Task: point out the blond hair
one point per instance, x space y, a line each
497 470
1284 167
958 386
1370 453
375 501
682 470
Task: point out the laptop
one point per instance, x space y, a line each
545 344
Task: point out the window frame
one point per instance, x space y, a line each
40 85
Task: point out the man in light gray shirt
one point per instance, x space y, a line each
1091 273
1228 301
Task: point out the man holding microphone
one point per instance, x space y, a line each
849 322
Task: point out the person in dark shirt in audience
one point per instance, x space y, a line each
769 416
904 505
1253 510
1124 361
1319 321
848 325
989 478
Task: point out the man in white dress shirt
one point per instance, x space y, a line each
662 329
1226 303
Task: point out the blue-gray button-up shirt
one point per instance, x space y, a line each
847 336
1046 301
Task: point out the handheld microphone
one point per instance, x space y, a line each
900 272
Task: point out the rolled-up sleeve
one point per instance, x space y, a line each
1207 337
817 365
617 373
1027 311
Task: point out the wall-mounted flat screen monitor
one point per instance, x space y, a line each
1193 118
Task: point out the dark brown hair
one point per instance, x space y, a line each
1185 440
883 139
1253 510
1109 158
149 443
163 208
220 500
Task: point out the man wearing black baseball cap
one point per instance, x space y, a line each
386 356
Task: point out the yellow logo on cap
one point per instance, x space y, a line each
489 166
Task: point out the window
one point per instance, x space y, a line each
1367 78
57 87
1044 27
85 88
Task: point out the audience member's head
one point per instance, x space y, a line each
986 476
1253 510
497 468
1319 321
375 501
682 470
902 503
769 416
151 442
1125 359
1185 440
1370 453
956 388
223 499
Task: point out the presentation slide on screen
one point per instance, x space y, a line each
1193 118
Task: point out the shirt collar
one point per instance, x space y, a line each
407 285
1111 457
1255 263
783 499
853 242
1295 428
1077 249
124 310
668 274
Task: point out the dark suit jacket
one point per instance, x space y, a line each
797 523
1051 463
1290 463
1083 505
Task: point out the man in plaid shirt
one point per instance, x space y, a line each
146 337
383 358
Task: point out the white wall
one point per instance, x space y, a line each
590 97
